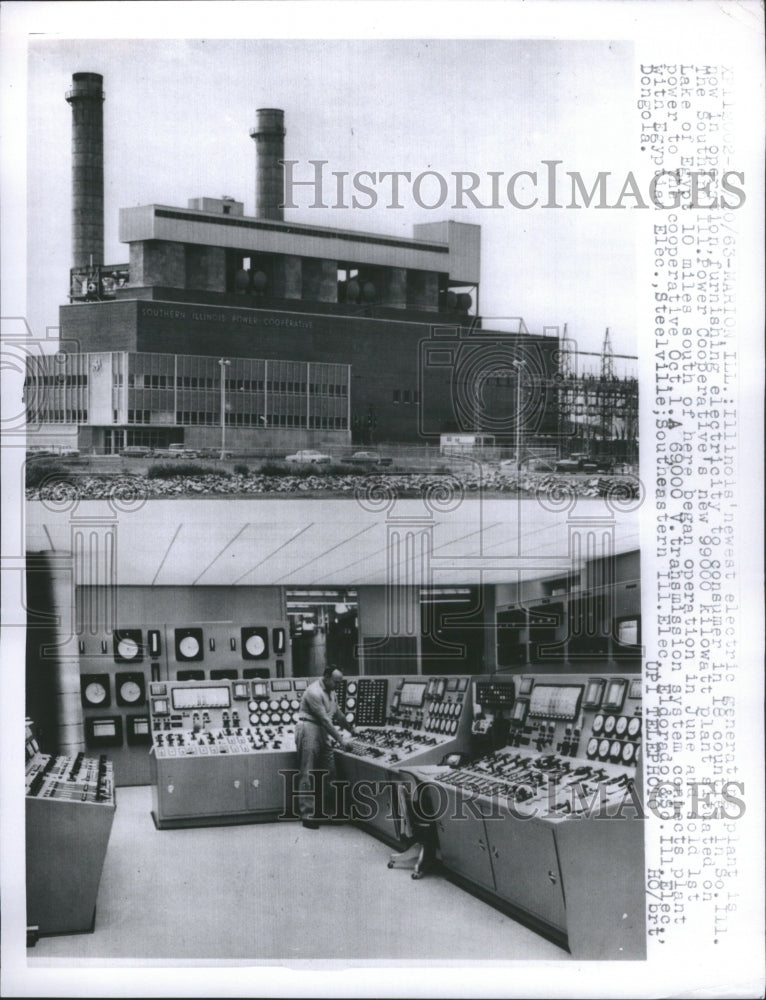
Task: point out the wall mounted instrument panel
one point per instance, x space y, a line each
218 747
70 806
554 831
116 668
492 700
419 720
363 700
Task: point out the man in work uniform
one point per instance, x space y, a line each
319 719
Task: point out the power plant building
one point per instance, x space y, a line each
332 336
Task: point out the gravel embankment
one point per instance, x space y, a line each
442 488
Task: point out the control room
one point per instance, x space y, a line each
486 720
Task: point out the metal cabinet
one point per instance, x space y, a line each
66 844
201 787
375 797
463 839
270 780
526 866
602 862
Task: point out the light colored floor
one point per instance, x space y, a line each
277 891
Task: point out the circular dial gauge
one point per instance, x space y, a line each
622 725
350 702
255 645
592 747
351 687
284 703
294 704
598 724
127 648
130 692
188 646
286 717
254 718
252 706
609 724
264 718
273 704
349 716
603 749
615 750
628 753
634 727
95 693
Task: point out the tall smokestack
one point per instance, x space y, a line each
86 98
269 136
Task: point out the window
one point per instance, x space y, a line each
405 395
396 395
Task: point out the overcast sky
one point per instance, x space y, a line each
178 112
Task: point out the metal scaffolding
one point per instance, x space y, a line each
597 409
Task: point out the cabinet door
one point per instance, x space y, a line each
272 781
375 792
463 841
213 786
526 867
602 861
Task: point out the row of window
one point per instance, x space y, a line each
232 385
326 423
58 416
55 380
188 418
406 396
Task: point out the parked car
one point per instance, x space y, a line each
215 453
136 451
580 462
309 456
368 458
176 450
